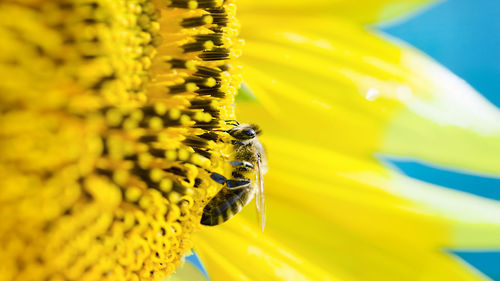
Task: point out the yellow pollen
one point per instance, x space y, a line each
192 5
174 113
174 197
191 87
166 185
163 138
208 19
184 120
144 202
156 175
198 116
171 155
145 159
155 123
210 82
183 154
114 117
160 108
191 65
130 124
208 45
207 118
136 115
120 176
132 194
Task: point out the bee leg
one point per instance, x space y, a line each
235 142
218 178
242 166
238 183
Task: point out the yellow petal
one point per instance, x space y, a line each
474 222
239 252
355 10
357 93
330 215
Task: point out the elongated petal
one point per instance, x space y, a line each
355 10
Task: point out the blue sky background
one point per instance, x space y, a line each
462 35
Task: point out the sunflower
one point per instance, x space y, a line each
112 124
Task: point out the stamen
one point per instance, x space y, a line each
219 16
198 46
215 54
186 4
204 104
215 38
182 88
202 82
211 92
197 21
209 3
177 63
204 71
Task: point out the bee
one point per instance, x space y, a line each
249 166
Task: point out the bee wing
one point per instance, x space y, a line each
260 199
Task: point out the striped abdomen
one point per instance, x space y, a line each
225 205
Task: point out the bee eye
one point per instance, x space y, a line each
250 133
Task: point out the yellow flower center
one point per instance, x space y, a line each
107 141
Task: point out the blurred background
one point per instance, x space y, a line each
463 36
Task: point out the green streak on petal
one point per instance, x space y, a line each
401 10
245 94
412 135
186 272
473 221
477 236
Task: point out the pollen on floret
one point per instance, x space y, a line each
190 64
166 185
156 174
184 119
192 5
191 87
132 194
183 154
174 113
155 123
171 155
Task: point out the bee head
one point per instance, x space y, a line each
244 131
